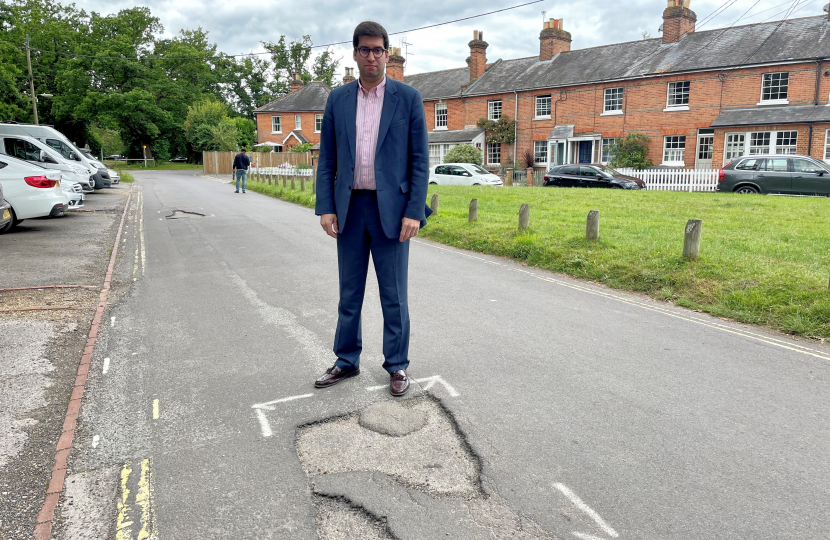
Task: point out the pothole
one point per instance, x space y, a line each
402 470
434 458
183 214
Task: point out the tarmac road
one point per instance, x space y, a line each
581 412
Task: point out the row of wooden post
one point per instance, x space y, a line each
691 238
259 177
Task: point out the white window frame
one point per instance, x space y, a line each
441 107
541 107
827 146
615 101
779 100
318 123
298 122
605 155
540 152
494 150
746 147
278 119
671 90
676 151
494 109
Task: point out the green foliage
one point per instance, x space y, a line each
245 132
463 153
631 151
107 138
301 148
502 130
303 166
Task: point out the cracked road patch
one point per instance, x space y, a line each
183 214
385 484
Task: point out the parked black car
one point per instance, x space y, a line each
590 175
788 174
179 159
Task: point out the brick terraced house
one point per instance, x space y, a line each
702 98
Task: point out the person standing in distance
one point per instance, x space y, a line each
372 182
240 167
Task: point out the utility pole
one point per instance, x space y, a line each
31 79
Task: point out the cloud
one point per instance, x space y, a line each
240 27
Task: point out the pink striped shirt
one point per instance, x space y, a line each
369 107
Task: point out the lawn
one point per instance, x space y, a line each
160 166
763 259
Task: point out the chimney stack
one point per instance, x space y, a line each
678 20
394 68
553 39
349 75
296 82
478 55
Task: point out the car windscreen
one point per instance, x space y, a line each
480 170
606 172
61 147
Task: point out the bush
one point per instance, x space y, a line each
301 148
463 153
631 152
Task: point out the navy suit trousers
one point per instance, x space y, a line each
363 235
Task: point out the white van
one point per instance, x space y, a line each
57 141
34 151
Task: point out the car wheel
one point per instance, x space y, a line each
616 187
476 184
12 222
433 183
92 183
746 190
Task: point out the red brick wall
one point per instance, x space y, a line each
263 126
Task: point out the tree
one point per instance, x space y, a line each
301 148
245 132
631 151
463 153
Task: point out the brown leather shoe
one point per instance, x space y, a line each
399 383
334 375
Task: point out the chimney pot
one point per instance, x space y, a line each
478 55
678 20
394 68
553 39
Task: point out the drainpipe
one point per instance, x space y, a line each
815 102
515 125
810 140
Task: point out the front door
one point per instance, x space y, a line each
705 149
585 148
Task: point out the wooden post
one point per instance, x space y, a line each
592 226
293 178
270 175
691 240
529 178
284 180
302 183
508 180
473 211
314 180
524 217
434 203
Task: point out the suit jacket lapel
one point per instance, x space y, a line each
390 101
351 118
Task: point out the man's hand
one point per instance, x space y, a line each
329 224
409 229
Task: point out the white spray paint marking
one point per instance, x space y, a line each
141 226
584 536
587 509
106 365
287 322
112 321
430 381
264 425
95 440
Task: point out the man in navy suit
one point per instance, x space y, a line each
372 182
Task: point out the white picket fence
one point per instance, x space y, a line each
280 171
676 179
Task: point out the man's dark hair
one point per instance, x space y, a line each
371 29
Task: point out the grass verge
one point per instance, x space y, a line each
763 259
126 177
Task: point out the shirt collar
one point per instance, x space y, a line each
378 89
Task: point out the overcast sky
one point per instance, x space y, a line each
239 27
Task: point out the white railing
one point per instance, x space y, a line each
676 179
280 171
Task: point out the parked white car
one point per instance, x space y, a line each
33 191
114 176
39 153
462 174
75 193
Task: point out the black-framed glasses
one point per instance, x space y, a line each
377 51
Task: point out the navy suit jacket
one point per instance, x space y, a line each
401 156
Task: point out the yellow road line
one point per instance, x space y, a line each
135 237
144 500
124 523
155 409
